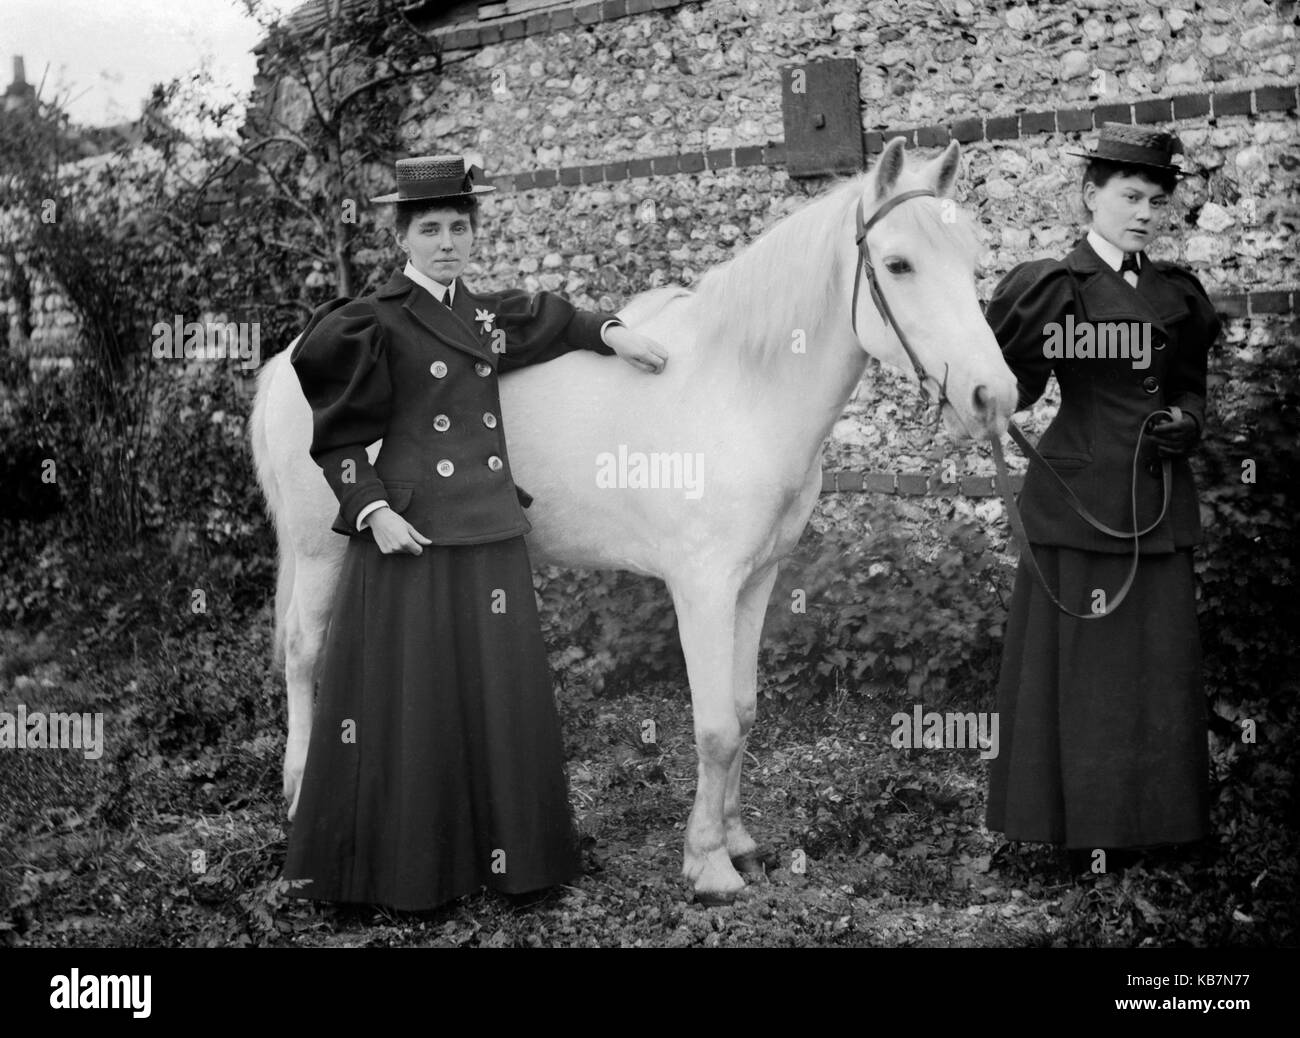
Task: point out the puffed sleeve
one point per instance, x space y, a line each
1029 298
341 362
1187 375
540 326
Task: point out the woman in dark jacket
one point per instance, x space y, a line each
1102 721
435 765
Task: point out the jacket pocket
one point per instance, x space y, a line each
1067 461
398 495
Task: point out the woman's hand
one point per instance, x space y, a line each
1175 437
394 534
639 350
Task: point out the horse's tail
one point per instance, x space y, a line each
274 501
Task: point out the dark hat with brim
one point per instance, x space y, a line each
435 178
1136 146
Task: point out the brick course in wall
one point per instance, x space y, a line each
965 131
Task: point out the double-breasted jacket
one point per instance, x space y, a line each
1106 401
401 366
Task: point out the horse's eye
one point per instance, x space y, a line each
898 266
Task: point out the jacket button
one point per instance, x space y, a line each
489 419
442 423
1150 384
438 369
495 463
445 467
483 369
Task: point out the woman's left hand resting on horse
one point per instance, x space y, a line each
639 350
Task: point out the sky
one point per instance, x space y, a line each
104 55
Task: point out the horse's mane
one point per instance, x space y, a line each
759 297
798 270
644 305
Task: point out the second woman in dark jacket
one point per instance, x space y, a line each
1102 721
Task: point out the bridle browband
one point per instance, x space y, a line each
887 315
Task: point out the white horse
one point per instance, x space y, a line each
763 359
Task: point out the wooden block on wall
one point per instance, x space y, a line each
822 117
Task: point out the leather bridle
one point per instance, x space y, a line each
878 298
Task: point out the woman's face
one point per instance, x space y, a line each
438 241
1128 211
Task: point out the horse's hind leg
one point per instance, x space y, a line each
751 608
706 612
305 624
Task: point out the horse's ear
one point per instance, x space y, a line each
889 167
947 166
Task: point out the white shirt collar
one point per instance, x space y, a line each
1112 255
424 281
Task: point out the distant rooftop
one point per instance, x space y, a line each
426 15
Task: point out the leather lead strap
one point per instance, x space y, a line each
1018 525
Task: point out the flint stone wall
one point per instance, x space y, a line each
580 125
584 114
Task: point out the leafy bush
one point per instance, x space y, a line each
612 628
1247 568
878 612
199 471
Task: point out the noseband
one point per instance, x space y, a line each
878 298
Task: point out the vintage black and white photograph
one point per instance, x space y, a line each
650 474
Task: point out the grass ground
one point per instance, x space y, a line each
176 836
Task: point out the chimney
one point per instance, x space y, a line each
19 92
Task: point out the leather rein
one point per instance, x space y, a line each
1002 478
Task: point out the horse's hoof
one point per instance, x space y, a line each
760 859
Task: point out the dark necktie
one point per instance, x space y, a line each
446 298
1130 263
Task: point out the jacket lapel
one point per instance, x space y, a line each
1108 297
449 326
1163 294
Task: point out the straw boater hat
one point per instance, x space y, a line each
1136 146
435 177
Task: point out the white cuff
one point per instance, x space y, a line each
373 506
605 326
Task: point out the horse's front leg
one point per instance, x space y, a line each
706 612
751 608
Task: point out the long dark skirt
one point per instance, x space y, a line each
436 763
1102 723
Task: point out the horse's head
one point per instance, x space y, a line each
922 313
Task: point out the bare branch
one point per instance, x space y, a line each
374 84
